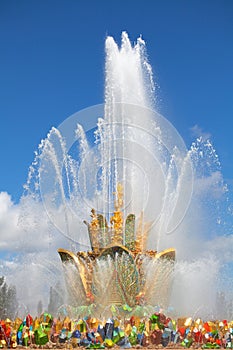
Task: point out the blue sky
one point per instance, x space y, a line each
52 65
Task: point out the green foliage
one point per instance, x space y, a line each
8 300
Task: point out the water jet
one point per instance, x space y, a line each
130 184
148 192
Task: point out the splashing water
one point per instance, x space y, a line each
176 193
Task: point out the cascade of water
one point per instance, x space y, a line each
126 72
54 159
137 147
134 146
129 77
84 150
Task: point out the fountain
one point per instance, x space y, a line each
115 271
127 166
126 175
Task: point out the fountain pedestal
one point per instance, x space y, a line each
118 269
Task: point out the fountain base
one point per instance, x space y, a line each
117 276
114 273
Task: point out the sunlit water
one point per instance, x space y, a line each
178 193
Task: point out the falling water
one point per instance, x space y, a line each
165 185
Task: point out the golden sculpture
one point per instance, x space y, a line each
116 220
114 271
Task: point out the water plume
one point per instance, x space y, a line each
177 195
